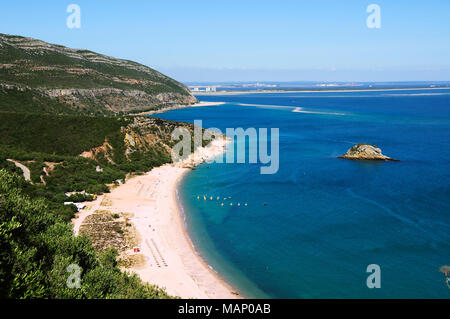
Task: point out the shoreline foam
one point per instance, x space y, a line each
171 260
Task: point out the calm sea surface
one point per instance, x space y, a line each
327 219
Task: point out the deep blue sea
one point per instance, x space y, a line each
327 219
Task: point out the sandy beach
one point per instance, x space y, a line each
170 259
176 107
199 104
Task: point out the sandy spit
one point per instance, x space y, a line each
176 107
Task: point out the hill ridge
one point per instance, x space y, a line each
84 80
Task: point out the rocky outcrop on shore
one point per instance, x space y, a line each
365 151
205 153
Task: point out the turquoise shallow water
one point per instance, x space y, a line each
327 219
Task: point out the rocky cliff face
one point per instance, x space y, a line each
85 80
366 152
117 100
140 136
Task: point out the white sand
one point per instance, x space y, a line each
171 261
207 104
176 107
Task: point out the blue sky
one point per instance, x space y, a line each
252 40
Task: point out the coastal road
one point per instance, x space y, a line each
91 208
25 170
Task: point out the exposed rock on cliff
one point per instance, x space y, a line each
364 151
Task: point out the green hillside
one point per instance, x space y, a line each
70 147
79 80
67 136
36 241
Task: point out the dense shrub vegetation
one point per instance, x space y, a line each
54 142
37 246
55 105
36 241
55 134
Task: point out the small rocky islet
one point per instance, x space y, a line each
363 151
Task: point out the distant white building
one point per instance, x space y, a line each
203 89
79 206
